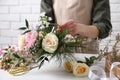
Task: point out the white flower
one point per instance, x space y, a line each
42 27
50 43
44 22
42 14
69 38
41 33
49 18
47 24
68 65
80 69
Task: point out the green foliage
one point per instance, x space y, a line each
26 28
41 60
26 23
16 56
88 61
62 34
26 31
22 28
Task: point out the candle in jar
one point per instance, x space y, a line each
21 42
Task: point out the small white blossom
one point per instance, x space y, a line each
49 18
69 38
41 34
42 14
47 24
44 22
42 27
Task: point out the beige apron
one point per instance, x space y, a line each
80 12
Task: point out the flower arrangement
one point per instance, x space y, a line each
37 46
13 59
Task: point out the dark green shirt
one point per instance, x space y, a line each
100 15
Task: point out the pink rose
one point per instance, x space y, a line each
2 51
30 38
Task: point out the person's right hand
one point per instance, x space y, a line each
74 28
70 25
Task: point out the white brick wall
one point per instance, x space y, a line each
14 12
12 15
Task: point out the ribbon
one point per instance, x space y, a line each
98 73
112 66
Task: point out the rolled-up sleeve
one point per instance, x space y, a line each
47 7
101 17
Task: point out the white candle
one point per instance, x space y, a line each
21 42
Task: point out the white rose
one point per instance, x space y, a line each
80 69
68 65
50 43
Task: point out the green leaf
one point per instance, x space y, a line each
26 23
80 62
27 31
87 60
92 58
16 55
42 62
16 62
46 59
22 28
40 58
71 44
63 34
90 61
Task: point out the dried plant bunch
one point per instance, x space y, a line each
115 54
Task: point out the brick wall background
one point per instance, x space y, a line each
14 12
12 15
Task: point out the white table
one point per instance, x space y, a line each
49 71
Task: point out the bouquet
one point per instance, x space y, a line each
35 46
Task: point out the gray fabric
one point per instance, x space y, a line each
101 17
47 7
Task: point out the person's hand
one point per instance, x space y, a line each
70 25
78 28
